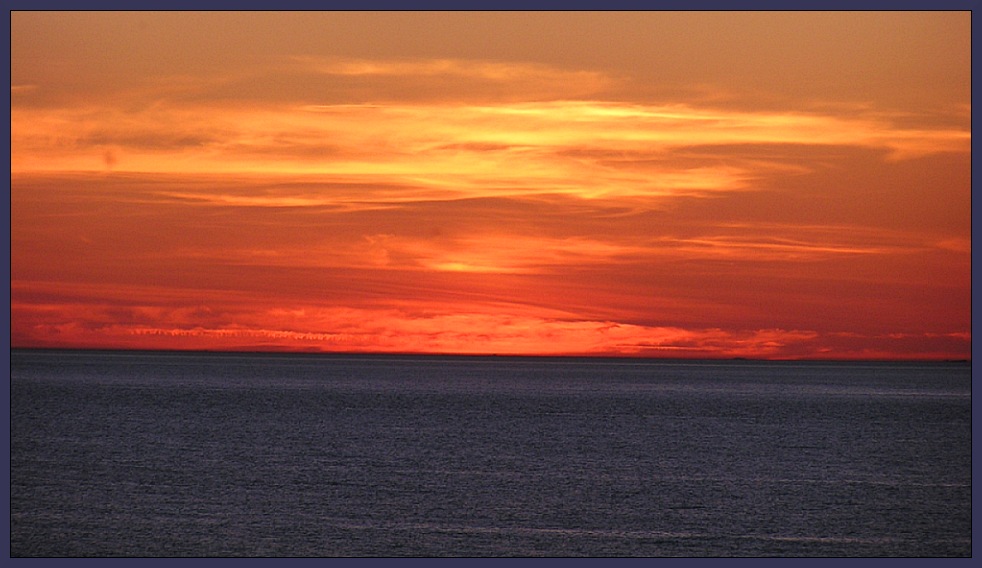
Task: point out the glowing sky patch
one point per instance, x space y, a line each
624 194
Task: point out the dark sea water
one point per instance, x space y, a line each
179 454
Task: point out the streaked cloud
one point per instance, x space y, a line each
22 89
527 80
389 330
589 149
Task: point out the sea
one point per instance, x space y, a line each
181 454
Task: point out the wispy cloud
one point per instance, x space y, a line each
508 72
22 89
589 149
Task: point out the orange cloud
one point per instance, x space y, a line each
474 332
555 146
527 80
488 329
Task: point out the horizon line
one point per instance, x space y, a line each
423 354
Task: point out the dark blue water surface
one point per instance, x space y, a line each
180 454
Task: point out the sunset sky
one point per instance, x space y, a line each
740 184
